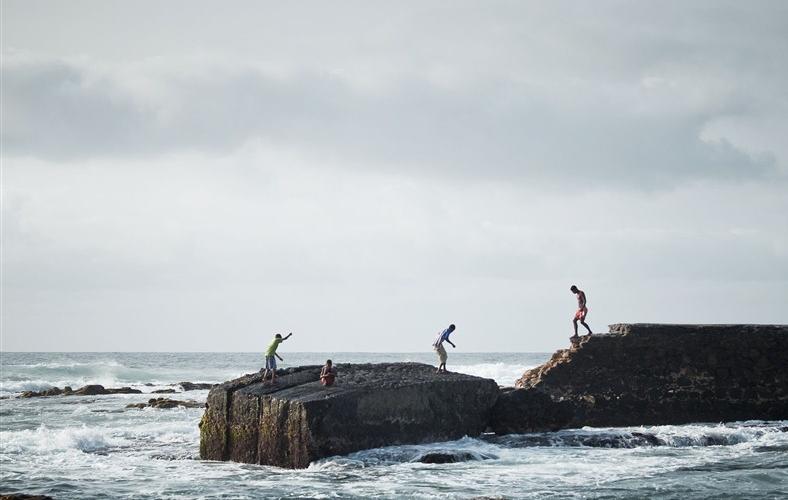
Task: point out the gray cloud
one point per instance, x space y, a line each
495 129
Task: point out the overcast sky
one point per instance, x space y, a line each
197 176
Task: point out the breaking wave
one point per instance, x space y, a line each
761 435
676 436
503 373
44 440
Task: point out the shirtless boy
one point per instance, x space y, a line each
582 310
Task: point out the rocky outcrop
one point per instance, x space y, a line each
638 374
98 390
297 420
88 390
166 403
191 386
642 374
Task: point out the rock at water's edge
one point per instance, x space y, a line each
298 421
192 386
451 457
655 374
24 496
166 403
88 390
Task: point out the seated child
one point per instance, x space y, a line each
328 374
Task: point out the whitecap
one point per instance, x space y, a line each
44 440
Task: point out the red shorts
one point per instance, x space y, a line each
581 314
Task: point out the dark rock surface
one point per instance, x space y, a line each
88 390
23 496
644 374
166 403
191 386
451 457
519 410
297 420
98 390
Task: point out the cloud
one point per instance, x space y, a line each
388 167
568 132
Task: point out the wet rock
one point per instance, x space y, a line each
450 457
521 410
123 390
23 496
55 391
649 439
164 391
189 386
96 390
88 390
297 421
166 403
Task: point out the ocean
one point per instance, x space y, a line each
79 447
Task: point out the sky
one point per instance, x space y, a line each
198 176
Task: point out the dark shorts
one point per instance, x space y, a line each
270 362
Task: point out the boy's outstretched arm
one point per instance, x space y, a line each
452 343
278 356
288 336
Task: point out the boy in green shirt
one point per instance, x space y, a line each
271 355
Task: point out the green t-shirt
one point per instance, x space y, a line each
271 350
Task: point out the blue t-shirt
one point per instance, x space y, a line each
444 335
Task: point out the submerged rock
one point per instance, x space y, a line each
88 390
55 391
166 403
191 386
164 391
23 496
297 420
450 457
93 390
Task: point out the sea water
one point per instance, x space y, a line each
94 447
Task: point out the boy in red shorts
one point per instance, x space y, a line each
582 310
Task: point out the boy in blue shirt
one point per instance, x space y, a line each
438 346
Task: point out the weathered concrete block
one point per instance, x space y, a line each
297 421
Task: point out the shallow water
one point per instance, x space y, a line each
93 447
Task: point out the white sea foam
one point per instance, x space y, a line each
503 373
10 388
71 364
45 440
675 436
